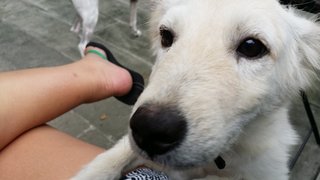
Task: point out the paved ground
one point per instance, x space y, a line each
35 33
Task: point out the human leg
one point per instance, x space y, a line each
31 97
45 153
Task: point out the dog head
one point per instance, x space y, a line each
220 64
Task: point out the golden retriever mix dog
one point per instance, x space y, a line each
221 85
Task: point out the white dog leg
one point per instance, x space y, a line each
76 25
88 27
133 18
110 164
88 12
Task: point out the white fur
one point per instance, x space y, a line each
87 18
235 107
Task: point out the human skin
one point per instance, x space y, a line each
30 98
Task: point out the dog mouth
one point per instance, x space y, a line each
152 147
172 158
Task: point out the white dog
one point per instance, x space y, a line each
224 76
87 18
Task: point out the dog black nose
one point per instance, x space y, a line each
158 129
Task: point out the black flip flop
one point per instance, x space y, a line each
137 79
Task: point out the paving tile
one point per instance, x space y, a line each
6 65
109 116
48 5
113 9
70 123
96 137
120 10
25 51
34 22
8 8
137 46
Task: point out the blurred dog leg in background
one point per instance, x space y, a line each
87 18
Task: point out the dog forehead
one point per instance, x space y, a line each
215 7
214 13
225 3
227 21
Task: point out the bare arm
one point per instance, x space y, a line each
29 98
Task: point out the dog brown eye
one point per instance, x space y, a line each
252 49
167 37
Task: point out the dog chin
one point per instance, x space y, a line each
173 159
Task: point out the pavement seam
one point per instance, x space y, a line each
125 52
85 131
91 128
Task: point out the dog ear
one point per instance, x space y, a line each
308 42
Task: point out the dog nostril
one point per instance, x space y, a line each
158 129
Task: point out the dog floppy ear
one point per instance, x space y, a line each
308 46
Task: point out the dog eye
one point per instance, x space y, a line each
252 48
167 37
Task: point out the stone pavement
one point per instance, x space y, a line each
35 33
